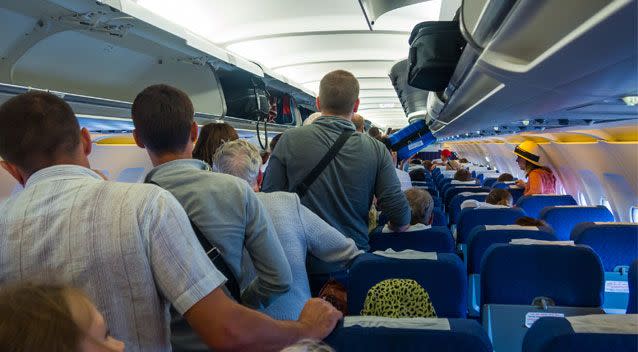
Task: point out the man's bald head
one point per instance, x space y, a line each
359 122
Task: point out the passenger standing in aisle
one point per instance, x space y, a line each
343 192
540 179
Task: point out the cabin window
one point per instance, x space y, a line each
581 199
633 214
605 202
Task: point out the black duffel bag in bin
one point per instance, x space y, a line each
246 98
434 52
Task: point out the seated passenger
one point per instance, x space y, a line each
453 165
417 175
308 345
300 231
375 133
462 176
497 198
130 247
540 179
505 178
362 169
427 164
529 221
421 208
52 318
464 161
210 138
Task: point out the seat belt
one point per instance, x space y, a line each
215 256
302 188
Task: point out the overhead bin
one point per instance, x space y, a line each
542 61
413 100
110 50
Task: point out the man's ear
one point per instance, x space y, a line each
356 105
85 139
14 171
137 140
194 131
318 102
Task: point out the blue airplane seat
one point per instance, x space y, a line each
438 217
632 305
435 239
457 200
470 218
564 218
489 182
370 334
447 196
615 243
442 275
587 333
535 203
480 239
452 184
521 283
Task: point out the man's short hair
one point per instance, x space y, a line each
238 158
338 92
463 175
359 122
163 116
421 205
35 129
417 175
374 132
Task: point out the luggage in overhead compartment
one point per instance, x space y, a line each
435 50
246 97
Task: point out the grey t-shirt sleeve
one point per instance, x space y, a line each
323 240
388 191
182 271
274 276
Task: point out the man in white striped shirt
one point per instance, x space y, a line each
129 246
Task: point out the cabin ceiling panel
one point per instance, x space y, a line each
315 71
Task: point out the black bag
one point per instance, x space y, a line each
434 52
246 98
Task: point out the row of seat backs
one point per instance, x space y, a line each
436 239
571 276
556 334
564 218
463 336
445 280
470 218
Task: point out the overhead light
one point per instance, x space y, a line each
478 132
387 106
487 159
495 128
418 113
525 122
630 100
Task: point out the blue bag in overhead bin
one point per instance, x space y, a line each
411 139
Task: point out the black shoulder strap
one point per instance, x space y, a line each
303 186
215 256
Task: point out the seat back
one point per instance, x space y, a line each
572 276
131 175
470 218
601 332
615 243
489 181
457 200
454 190
482 237
438 217
632 306
563 219
535 203
364 334
436 239
444 278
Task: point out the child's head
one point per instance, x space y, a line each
505 178
499 196
52 318
421 204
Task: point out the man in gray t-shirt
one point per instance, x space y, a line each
342 194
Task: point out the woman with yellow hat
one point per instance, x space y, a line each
540 179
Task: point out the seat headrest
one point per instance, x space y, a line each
615 243
535 203
516 274
564 218
445 280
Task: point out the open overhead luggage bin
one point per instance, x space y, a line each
413 100
543 61
111 50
